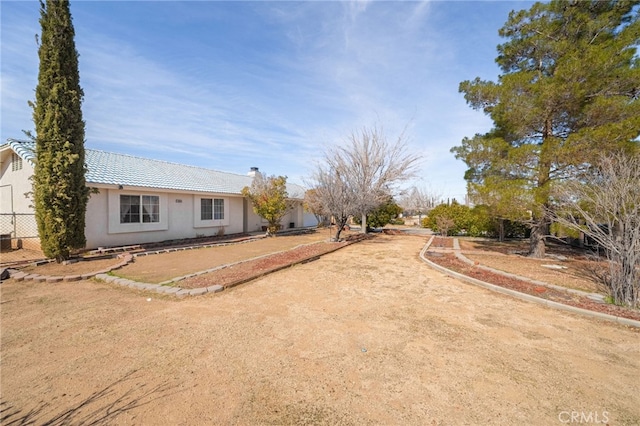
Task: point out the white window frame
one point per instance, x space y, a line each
206 212
218 208
219 216
148 209
115 224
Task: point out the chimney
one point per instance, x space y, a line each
253 171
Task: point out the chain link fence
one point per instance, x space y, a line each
18 230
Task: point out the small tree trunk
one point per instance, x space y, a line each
501 230
364 223
539 231
272 229
340 225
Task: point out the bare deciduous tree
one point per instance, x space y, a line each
313 204
605 205
419 201
371 167
334 196
444 224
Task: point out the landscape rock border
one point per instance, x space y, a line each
127 257
24 276
523 296
163 288
183 292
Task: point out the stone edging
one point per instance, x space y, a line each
158 288
524 296
183 292
23 276
127 258
593 296
227 265
166 289
199 246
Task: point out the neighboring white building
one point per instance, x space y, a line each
140 200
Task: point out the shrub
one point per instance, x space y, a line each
386 213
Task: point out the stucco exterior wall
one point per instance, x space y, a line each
308 219
179 213
254 222
13 186
17 219
295 216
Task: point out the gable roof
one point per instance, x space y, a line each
110 168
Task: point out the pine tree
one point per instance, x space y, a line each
569 91
59 189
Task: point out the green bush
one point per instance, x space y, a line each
516 229
386 213
561 231
474 221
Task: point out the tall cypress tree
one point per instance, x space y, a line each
60 193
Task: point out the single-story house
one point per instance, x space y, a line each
140 200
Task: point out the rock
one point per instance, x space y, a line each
552 266
559 257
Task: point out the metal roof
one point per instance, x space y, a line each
110 168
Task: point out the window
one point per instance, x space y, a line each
206 209
150 208
218 209
137 208
211 208
16 162
129 209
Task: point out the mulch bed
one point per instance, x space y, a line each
442 242
252 269
449 261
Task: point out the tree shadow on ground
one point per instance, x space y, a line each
100 408
492 245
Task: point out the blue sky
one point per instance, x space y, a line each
231 85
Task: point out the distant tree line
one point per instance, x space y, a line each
478 221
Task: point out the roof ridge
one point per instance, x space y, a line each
137 157
173 163
111 168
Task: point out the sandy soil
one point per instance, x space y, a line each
575 272
162 267
78 268
366 335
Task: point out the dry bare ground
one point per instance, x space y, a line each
575 265
365 335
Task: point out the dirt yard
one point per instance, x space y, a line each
563 266
157 268
366 335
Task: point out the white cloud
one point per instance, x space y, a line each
210 99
